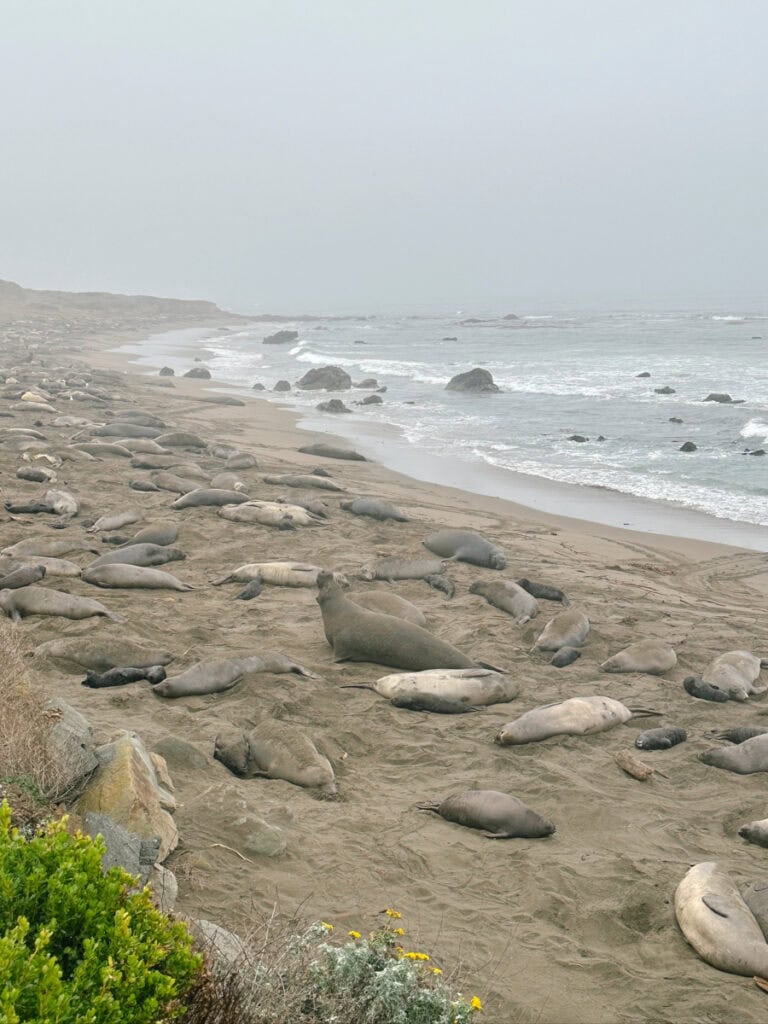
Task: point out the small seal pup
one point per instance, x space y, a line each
755 832
132 577
389 604
741 733
577 716
744 758
736 672
374 508
565 656
32 600
755 895
277 750
696 687
508 597
100 653
543 592
122 676
568 629
719 925
496 815
356 634
651 656
144 555
253 589
223 673
474 687
661 739
464 546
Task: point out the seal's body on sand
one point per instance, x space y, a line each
464 546
276 750
24 576
308 480
58 503
41 601
543 591
475 687
209 496
357 634
736 672
144 555
374 508
755 832
719 925
578 716
278 574
390 604
497 815
270 513
651 656
122 676
661 739
100 654
403 569
132 577
160 533
568 629
222 674
744 758
49 547
508 597
105 524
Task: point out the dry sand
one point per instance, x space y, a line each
578 927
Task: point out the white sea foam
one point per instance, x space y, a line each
755 428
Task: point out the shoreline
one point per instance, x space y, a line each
592 510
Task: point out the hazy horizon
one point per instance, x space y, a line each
376 158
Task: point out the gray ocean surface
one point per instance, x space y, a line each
560 374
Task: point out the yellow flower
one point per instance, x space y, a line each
476 1004
328 927
392 913
398 931
416 956
436 970
354 935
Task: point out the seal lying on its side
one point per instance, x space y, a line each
696 686
755 832
270 513
144 555
508 597
577 716
24 576
374 508
543 592
744 758
402 569
661 739
359 635
308 480
651 656
209 496
122 676
279 574
41 601
161 533
568 629
464 546
719 925
474 687
132 577
59 503
736 672
49 547
102 653
276 750
223 673
390 604
496 815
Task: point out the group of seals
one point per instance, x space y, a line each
277 750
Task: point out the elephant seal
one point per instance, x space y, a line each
118 428
496 815
356 634
133 577
328 451
209 496
277 750
442 583
100 654
223 673
145 555
54 566
374 508
241 460
577 716
59 503
704 691
179 439
660 739
307 480
105 524
101 450
227 482
25 576
431 702
253 589
738 735
755 896
508 597
755 832
474 687
278 574
568 629
744 758
736 672
719 925
122 676
144 485
543 592
402 569
49 547
160 533
651 656
173 483
565 656
390 604
463 546
41 601
270 513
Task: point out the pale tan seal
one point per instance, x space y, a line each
41 601
497 815
49 547
465 546
209 497
222 674
719 925
132 577
146 555
475 687
100 653
105 524
277 750
568 629
653 657
577 716
303 480
403 569
278 574
356 634
736 672
745 758
390 604
508 597
270 513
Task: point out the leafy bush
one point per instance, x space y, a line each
76 945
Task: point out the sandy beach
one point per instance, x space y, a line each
577 928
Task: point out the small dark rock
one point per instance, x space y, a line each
450 339
578 437
281 337
282 385
667 390
199 373
689 446
675 419
718 396
477 380
756 451
371 400
643 374
370 383
600 437
333 405
361 343
166 371
258 386
511 316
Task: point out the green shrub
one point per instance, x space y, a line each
76 945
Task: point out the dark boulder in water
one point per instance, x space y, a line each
689 446
643 374
666 390
723 398
282 385
370 384
372 400
258 386
675 419
477 380
166 371
333 405
579 438
281 337
198 373
325 378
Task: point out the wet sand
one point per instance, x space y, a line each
578 927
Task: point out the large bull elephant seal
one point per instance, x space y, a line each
463 546
357 634
277 750
41 601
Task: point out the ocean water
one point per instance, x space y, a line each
560 374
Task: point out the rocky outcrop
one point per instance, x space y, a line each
666 390
281 338
723 398
333 405
675 419
643 374
579 438
689 446
325 378
282 385
167 371
258 386
70 747
132 786
477 380
370 383
125 849
198 373
372 400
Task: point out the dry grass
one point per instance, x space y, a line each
25 759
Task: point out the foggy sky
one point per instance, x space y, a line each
351 155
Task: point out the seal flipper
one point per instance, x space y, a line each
715 903
428 807
495 835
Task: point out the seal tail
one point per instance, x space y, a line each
224 579
644 712
493 668
358 686
427 807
